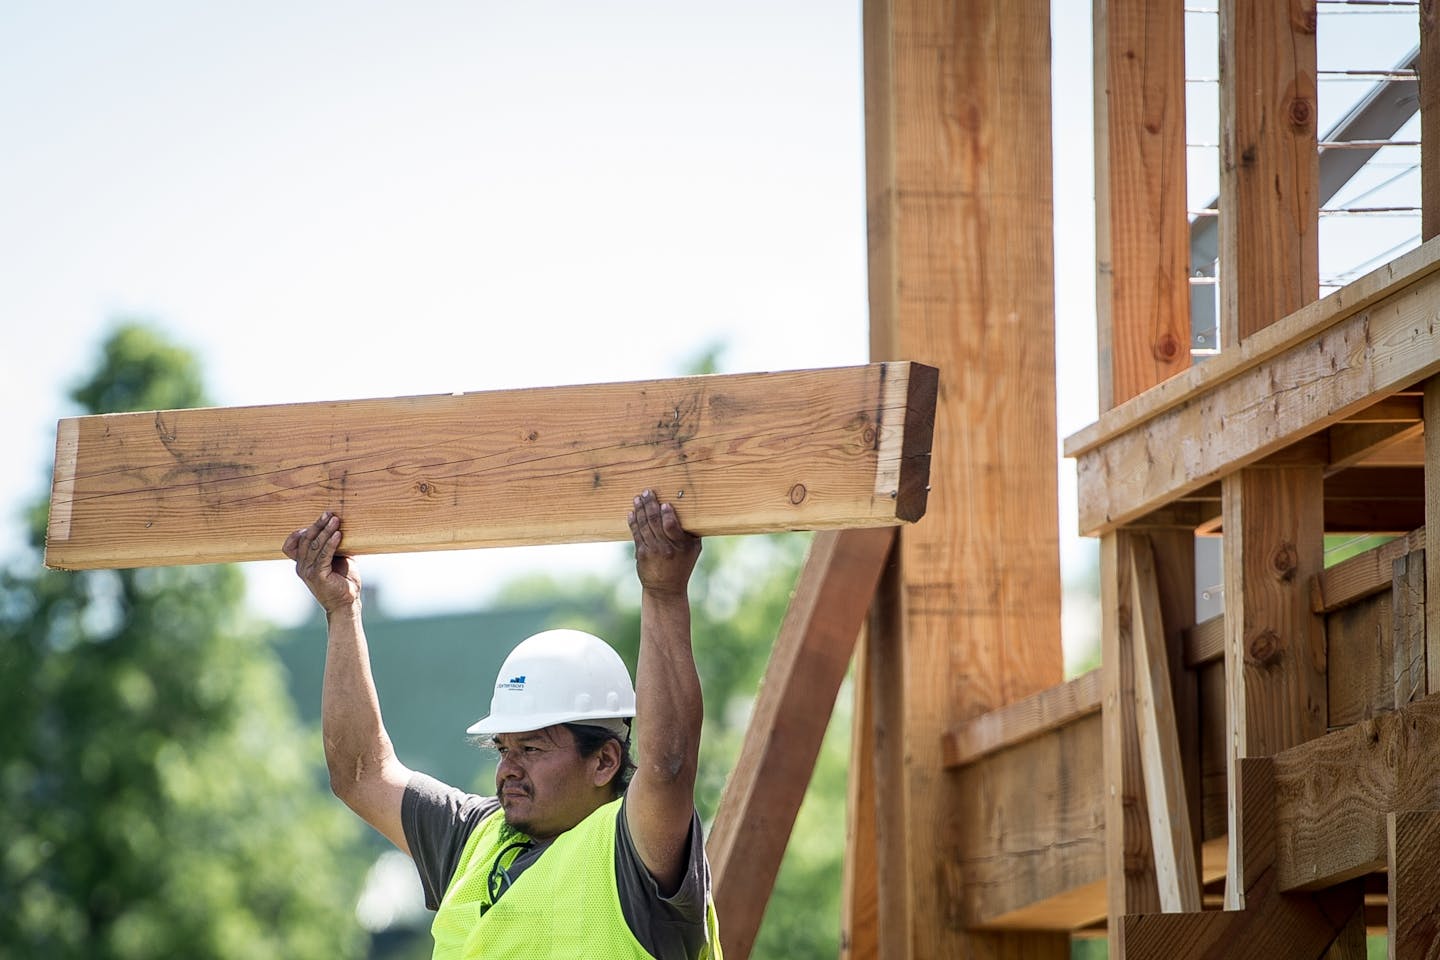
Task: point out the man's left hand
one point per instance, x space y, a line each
665 554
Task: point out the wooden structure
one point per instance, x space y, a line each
1263 784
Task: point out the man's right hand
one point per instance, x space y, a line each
332 578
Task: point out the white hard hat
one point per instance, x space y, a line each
559 676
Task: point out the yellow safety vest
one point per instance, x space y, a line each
564 905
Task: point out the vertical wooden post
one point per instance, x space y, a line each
1432 534
1274 645
1269 164
1429 83
1142 239
1269 267
1414 920
1429 77
958 181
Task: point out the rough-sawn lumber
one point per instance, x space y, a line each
1298 377
741 453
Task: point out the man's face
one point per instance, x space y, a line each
545 786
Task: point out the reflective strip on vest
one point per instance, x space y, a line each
565 904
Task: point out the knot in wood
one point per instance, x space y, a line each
1264 648
1285 561
797 494
1302 112
425 488
1166 348
868 437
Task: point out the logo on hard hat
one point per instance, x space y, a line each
514 683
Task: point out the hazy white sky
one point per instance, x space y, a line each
335 200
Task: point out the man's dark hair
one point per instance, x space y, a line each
589 740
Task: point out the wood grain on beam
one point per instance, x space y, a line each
1359 653
1142 233
1407 629
1035 830
1354 443
1271 925
1205 642
797 696
1333 793
1318 378
1023 719
1274 650
743 453
958 171
1413 849
1359 576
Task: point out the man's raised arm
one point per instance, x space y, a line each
668 708
364 771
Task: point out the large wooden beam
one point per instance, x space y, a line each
958 168
1333 794
797 696
743 453
1313 369
1142 235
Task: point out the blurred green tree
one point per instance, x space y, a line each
157 795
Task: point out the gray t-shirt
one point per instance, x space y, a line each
439 819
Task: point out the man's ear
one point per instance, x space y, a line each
607 763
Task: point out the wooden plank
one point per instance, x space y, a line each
1360 681
1407 629
1214 752
1352 443
1142 236
814 449
1334 792
1174 553
1413 849
1242 420
1023 719
1274 652
1238 421
958 159
1036 829
1271 925
797 696
1432 523
1361 575
1205 642
1131 884
1161 762
1305 324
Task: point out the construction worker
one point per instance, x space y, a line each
567 860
